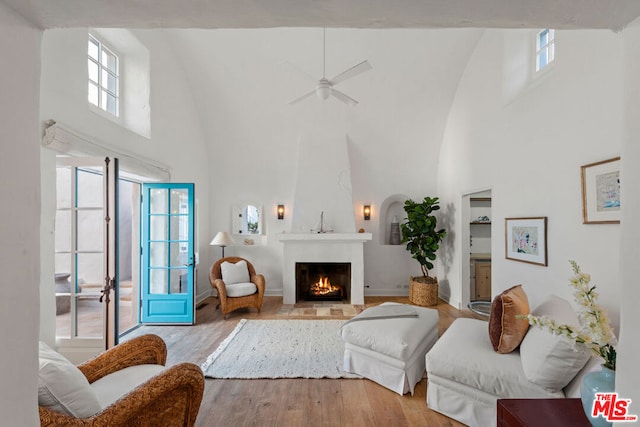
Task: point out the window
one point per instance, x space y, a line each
103 76
545 48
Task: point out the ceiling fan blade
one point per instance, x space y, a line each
300 98
344 98
299 70
351 72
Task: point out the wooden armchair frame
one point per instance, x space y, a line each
228 304
171 398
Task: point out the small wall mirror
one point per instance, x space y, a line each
247 219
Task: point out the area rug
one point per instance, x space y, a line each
280 349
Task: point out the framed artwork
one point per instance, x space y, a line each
601 192
526 239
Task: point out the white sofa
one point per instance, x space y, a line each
466 376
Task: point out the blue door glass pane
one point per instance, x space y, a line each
168 253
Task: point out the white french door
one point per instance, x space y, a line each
86 256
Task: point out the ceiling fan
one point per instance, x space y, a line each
325 87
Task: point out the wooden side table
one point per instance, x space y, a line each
541 412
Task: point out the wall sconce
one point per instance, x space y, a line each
366 211
280 211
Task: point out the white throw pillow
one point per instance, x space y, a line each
550 360
234 273
62 387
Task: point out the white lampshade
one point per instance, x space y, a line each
221 239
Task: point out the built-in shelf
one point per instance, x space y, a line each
392 206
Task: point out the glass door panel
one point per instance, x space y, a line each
129 254
84 251
168 253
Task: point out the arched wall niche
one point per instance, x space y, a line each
390 207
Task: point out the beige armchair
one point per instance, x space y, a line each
170 398
233 297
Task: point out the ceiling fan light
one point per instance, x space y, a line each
323 92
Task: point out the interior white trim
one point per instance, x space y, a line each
64 140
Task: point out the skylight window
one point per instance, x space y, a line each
545 48
103 77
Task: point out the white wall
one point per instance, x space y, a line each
629 346
20 213
176 134
534 137
393 134
527 142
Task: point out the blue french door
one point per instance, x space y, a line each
168 255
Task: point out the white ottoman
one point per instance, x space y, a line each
391 351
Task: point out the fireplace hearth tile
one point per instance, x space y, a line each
321 309
324 311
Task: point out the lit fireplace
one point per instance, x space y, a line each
323 281
323 287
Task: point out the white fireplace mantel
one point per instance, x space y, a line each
323 247
325 237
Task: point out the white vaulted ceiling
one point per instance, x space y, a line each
232 53
560 14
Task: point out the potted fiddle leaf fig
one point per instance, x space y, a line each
420 233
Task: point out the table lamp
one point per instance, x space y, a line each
221 239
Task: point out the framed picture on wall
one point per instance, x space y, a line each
526 240
601 192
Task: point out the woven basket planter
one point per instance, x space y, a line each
423 291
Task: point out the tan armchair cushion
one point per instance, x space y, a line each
62 387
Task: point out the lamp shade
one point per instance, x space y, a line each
221 239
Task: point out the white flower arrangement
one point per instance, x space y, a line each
595 332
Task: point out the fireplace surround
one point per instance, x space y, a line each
323 248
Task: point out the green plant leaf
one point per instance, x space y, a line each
419 231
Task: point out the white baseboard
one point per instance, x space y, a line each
203 296
386 292
274 292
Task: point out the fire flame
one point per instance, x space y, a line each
323 287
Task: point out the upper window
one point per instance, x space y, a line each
545 48
103 77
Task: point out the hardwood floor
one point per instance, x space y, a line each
293 402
